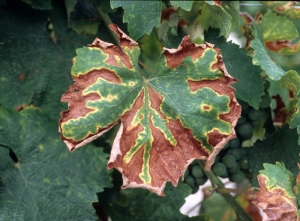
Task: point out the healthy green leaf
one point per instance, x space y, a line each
276 28
281 146
146 206
46 176
158 129
215 16
35 68
141 16
283 7
249 87
39 4
186 5
261 57
233 9
276 196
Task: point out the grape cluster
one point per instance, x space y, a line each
232 161
194 176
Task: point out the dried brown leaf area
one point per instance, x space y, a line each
277 200
185 110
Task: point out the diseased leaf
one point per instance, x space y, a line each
249 87
297 188
141 16
146 206
160 133
186 5
291 80
276 28
46 176
283 7
281 146
276 197
261 57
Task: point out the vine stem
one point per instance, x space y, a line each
216 182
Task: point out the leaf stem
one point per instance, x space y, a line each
107 22
215 181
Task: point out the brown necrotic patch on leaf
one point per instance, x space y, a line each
275 204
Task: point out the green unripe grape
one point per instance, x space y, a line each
228 161
244 152
265 101
201 181
186 173
267 85
226 146
225 175
190 181
236 153
255 114
244 104
236 168
217 159
237 177
234 143
219 169
256 123
242 119
244 163
245 130
197 172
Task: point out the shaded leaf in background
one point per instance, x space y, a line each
276 38
261 57
249 87
295 121
271 28
213 15
186 5
283 7
37 70
146 206
39 4
276 196
141 16
233 9
82 16
158 128
217 208
281 146
46 176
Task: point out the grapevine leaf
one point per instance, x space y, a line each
291 80
295 122
271 27
36 74
215 15
249 87
45 175
283 7
261 57
233 9
82 16
186 5
297 188
146 206
141 16
276 197
281 146
217 208
158 128
39 4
